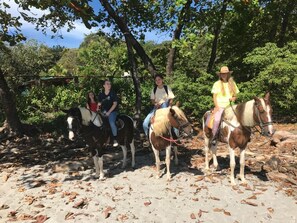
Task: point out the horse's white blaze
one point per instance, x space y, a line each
70 133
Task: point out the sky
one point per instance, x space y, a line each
70 39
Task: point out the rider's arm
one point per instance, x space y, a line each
114 105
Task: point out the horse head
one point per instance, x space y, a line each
263 114
179 120
74 122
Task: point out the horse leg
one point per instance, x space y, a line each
97 168
214 156
232 165
242 164
168 154
100 162
206 149
124 148
157 153
175 155
132 146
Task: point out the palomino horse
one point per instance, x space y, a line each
96 133
160 133
235 130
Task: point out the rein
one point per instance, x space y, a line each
171 140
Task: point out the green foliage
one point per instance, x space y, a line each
194 94
276 72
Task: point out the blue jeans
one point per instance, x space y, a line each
146 121
112 119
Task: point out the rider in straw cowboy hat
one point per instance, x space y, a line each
224 91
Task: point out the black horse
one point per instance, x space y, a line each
96 132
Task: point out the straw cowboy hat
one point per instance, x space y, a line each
225 70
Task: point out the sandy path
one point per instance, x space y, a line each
36 193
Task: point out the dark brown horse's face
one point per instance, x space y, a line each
179 121
263 113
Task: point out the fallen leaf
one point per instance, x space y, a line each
12 214
30 199
195 199
25 217
199 178
122 217
40 219
214 198
147 203
4 206
271 210
200 213
5 177
39 206
107 212
227 213
252 197
248 202
116 187
218 210
193 216
80 204
69 216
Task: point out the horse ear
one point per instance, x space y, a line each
267 96
65 111
177 104
172 111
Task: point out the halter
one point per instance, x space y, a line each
261 123
181 126
180 129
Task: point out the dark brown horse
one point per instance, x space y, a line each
90 125
160 133
236 129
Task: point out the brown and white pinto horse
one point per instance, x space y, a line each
91 127
160 133
235 130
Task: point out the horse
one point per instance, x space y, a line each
236 128
95 130
161 133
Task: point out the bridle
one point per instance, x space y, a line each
180 128
261 123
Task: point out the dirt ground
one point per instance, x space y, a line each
48 179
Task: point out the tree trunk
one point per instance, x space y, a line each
9 106
217 31
285 21
136 82
129 37
176 36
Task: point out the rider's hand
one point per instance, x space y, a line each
157 105
107 114
232 99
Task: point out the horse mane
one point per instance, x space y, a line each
90 116
161 119
244 113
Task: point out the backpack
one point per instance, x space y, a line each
165 87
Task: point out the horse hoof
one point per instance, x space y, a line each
158 177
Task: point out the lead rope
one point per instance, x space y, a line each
171 140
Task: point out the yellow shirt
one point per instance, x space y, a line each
223 100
